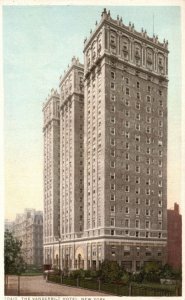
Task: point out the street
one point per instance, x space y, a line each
37 286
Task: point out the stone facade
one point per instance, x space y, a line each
28 228
123 214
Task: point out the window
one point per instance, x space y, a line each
127 188
147 224
127 91
148 109
112 75
127 199
160 92
148 119
112 152
159 203
112 119
137 223
148 129
127 113
137 126
147 212
148 150
137 138
112 85
112 197
127 222
148 140
147 191
137 180
112 130
112 175
127 178
112 186
148 181
127 167
148 160
127 145
138 169
138 117
160 183
160 113
138 84
127 102
112 222
112 164
160 102
149 88
137 201
138 96
160 123
112 142
112 208
137 148
112 108
137 105
127 124
127 135
137 158
113 98
137 191
137 211
160 193
127 156
127 210
147 201
127 80
148 99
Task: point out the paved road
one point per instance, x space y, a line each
37 286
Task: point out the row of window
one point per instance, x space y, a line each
127 81
137 200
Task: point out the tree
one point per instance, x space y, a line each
110 271
13 260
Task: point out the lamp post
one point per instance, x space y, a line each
59 241
58 238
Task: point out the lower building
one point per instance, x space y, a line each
174 243
8 225
28 228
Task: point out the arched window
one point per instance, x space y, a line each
137 53
125 48
149 58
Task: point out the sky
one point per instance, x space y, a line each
38 44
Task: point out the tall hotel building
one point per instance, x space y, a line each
51 131
122 214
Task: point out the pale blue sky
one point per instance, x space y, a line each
38 44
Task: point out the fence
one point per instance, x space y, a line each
113 288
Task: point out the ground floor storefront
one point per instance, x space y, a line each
131 255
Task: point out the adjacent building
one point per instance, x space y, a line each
113 152
28 228
174 248
9 225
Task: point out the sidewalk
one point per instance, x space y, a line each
37 286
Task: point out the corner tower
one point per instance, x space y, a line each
51 131
71 160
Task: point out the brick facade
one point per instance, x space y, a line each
124 200
174 246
